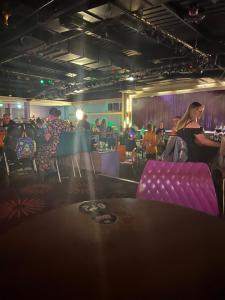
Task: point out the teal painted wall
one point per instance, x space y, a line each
92 109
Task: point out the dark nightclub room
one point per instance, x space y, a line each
112 149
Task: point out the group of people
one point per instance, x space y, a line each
46 133
188 128
200 148
154 141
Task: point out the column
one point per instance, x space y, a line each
26 110
8 109
126 110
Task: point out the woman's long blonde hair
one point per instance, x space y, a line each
189 115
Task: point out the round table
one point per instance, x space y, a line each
153 251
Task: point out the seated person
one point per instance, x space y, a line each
200 148
149 142
96 128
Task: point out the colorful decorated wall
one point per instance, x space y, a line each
164 108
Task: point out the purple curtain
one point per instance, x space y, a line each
164 108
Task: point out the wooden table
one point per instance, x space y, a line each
153 251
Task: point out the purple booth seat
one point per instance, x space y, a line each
186 184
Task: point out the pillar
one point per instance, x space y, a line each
26 110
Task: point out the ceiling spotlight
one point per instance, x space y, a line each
195 14
193 10
71 74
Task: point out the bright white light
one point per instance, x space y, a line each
130 78
78 91
71 74
79 114
1 105
19 106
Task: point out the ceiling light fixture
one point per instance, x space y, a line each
71 74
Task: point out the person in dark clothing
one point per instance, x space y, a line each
161 130
200 148
84 124
7 122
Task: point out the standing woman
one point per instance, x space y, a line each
150 142
200 148
51 139
96 127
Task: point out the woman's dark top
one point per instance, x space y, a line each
196 153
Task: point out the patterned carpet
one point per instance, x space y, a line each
27 196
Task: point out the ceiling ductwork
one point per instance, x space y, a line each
131 5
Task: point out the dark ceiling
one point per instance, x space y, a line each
84 49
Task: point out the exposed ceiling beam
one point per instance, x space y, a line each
166 35
30 25
177 12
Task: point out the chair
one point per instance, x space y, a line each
13 147
83 145
66 148
186 184
2 136
17 162
71 144
121 149
176 150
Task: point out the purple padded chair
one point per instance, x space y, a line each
186 184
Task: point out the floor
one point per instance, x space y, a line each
26 195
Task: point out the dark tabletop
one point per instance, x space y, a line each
152 251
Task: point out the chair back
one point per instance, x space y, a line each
2 136
71 143
83 141
66 145
121 149
186 184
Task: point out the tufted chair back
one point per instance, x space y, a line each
186 184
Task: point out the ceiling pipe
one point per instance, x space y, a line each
166 34
30 28
173 11
26 29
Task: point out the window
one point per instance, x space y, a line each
115 107
110 107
